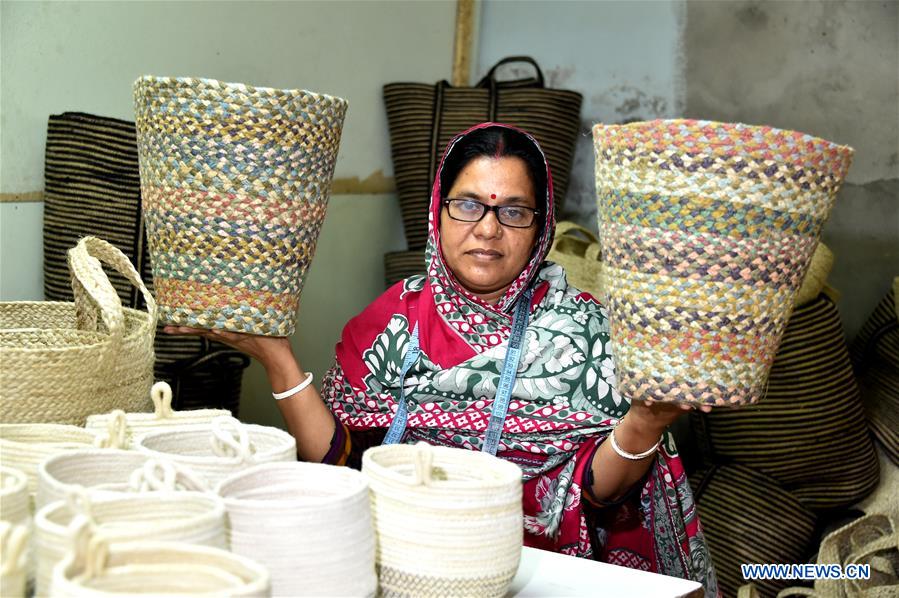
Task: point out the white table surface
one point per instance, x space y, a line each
549 574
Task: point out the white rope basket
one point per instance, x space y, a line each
189 517
13 559
162 418
15 504
221 448
447 521
24 446
324 544
105 472
94 568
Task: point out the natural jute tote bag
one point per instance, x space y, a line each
63 361
235 182
707 230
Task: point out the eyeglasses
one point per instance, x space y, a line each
470 210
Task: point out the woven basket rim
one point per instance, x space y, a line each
215 507
206 431
506 471
242 88
712 124
356 484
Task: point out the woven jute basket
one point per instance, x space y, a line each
707 230
13 559
219 449
235 182
577 250
14 499
448 522
94 567
162 418
25 446
63 361
190 517
325 545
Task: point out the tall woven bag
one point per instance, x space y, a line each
190 517
95 568
63 361
235 182
707 230
325 545
448 522
577 250
423 117
217 450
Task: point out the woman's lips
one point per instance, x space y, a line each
485 254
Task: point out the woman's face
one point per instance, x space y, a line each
486 257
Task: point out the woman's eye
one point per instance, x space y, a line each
469 206
515 213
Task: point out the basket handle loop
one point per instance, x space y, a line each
161 393
230 438
13 542
78 502
424 458
158 474
116 434
88 278
87 547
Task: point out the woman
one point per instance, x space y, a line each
441 342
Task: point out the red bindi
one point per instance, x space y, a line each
493 196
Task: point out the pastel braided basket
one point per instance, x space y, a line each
707 230
235 182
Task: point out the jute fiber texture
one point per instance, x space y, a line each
448 522
190 517
94 567
219 449
25 446
14 499
235 182
64 361
577 250
324 545
707 230
810 433
162 418
13 559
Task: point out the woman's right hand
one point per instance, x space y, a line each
268 350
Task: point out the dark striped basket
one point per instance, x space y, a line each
809 431
875 356
749 518
403 264
424 117
93 188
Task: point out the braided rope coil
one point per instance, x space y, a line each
470 500
707 232
235 182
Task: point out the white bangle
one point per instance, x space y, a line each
292 391
631 456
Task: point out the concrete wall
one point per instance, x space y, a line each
830 69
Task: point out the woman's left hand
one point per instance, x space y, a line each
647 420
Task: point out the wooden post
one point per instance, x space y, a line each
462 47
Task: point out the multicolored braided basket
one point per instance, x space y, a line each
707 230
235 182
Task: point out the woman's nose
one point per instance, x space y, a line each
488 226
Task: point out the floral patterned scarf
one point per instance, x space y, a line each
563 405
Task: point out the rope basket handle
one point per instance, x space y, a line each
490 77
161 393
88 548
157 474
88 278
230 439
78 501
13 543
116 434
424 459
